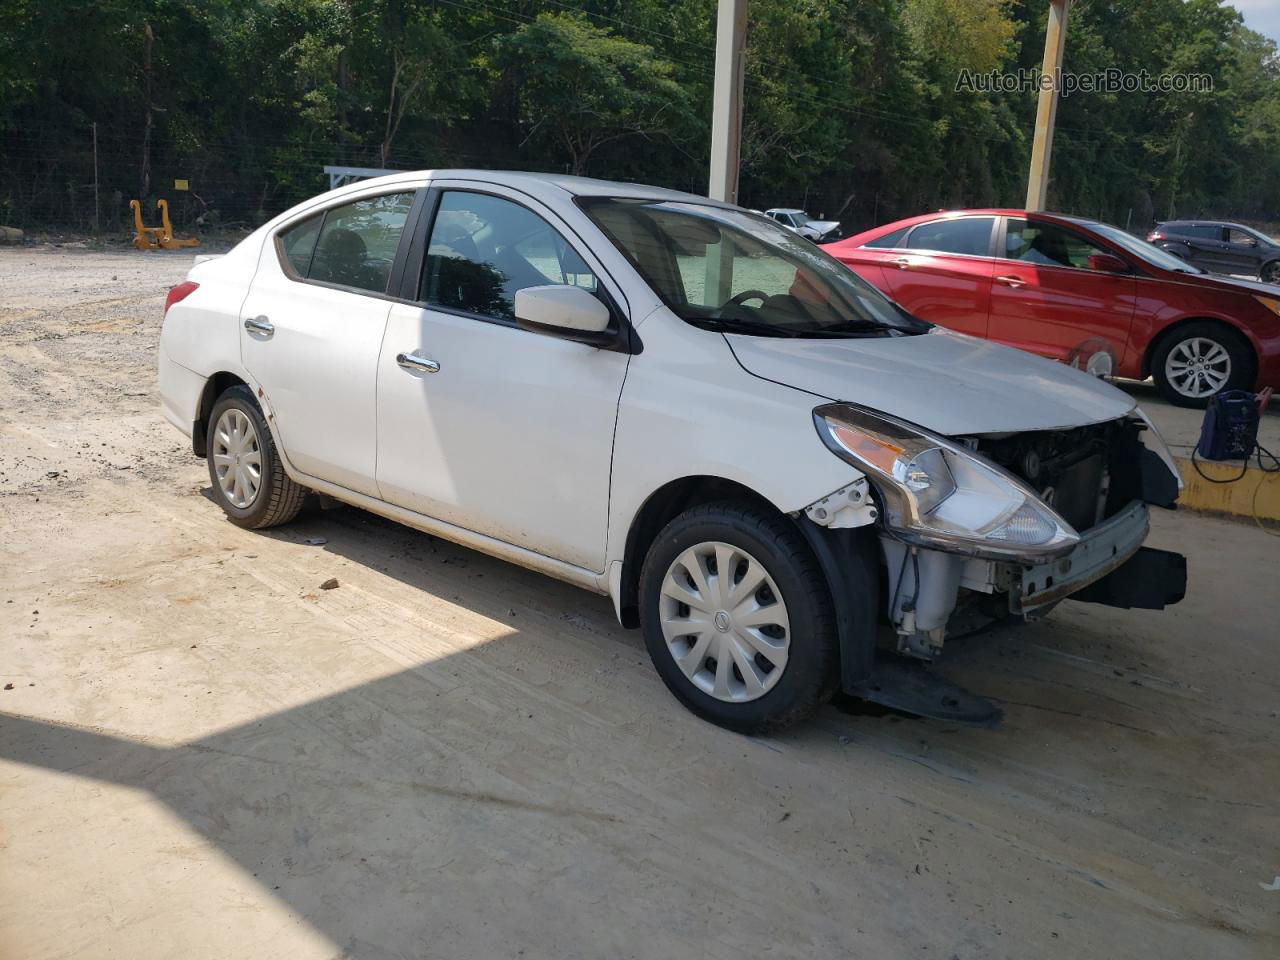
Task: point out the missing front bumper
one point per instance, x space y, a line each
1108 566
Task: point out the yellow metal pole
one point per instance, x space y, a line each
1055 39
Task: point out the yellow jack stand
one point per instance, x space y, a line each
155 238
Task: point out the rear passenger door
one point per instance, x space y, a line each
311 329
484 425
1208 248
943 273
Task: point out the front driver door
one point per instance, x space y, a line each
481 424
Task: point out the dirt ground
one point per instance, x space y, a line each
205 754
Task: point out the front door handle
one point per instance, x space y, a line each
259 325
902 263
1014 282
411 361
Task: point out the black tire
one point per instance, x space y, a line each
278 498
810 673
1270 272
1242 369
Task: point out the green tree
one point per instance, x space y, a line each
582 86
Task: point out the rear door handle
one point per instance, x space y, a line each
259 325
1014 282
411 361
902 263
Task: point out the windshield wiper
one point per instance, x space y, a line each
759 328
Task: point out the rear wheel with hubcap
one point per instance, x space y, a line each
249 482
1199 360
737 617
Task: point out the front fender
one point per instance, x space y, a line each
689 409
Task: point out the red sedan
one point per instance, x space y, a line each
1080 292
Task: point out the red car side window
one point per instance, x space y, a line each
1032 241
967 236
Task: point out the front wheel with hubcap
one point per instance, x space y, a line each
249 482
1199 360
1270 272
737 617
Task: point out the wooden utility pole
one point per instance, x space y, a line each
1055 39
149 38
726 112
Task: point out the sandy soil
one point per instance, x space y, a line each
204 754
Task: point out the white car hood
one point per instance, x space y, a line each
946 382
823 226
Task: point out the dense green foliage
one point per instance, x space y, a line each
851 105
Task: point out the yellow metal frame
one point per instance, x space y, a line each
161 237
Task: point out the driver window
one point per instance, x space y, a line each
1047 244
1235 235
485 248
358 242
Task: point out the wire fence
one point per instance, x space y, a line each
85 183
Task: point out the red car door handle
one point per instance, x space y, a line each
902 263
1014 282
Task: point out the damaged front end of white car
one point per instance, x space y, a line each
978 529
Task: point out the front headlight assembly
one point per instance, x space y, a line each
938 494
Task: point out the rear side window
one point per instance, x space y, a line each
970 236
352 245
1032 241
484 248
889 240
358 242
1206 231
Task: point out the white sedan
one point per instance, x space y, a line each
819 231
788 482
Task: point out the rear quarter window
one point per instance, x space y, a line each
298 244
888 241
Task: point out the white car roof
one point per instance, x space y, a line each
543 183
784 210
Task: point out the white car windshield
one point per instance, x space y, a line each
1145 251
737 272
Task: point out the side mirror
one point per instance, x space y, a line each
559 310
1107 263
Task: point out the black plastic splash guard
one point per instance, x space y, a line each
912 688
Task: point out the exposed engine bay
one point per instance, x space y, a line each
1099 478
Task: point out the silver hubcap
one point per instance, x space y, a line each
1198 367
725 622
237 459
